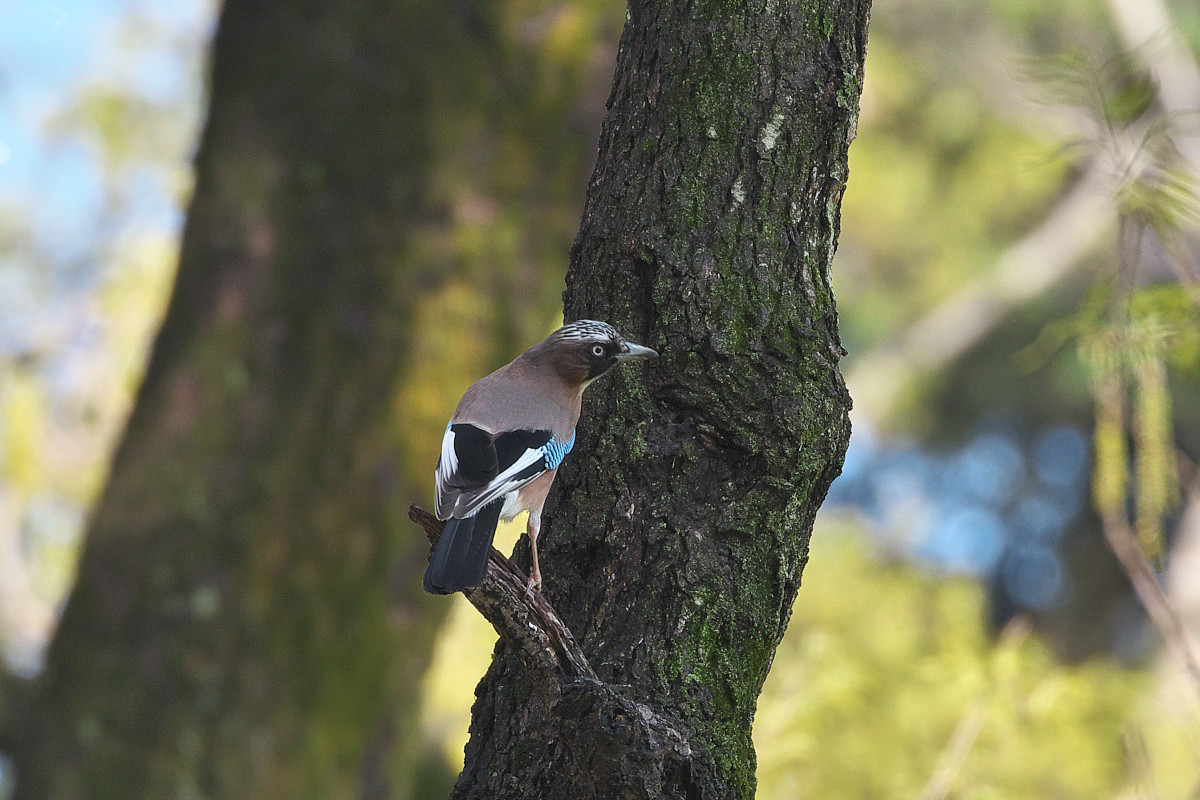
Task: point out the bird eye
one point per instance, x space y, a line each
597 350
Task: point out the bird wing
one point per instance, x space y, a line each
476 467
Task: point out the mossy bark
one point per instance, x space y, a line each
680 525
247 620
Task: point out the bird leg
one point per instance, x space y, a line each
535 573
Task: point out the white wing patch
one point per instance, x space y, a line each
502 484
447 465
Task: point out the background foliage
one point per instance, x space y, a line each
965 501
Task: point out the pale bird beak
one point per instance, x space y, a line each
635 352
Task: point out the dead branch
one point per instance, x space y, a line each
526 619
1124 544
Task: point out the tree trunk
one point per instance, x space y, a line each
248 620
680 524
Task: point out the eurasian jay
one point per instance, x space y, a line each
505 441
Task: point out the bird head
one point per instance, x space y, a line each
583 351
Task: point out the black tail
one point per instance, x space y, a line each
460 560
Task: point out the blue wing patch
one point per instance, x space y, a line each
555 451
477 467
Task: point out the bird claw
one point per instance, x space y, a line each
534 584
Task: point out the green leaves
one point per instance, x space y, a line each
883 670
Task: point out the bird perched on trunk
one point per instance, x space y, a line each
505 441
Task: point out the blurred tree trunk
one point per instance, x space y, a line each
681 522
247 621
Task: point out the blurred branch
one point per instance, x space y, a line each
958 747
1146 31
25 617
1111 483
956 751
1046 255
1124 543
1182 587
15 693
526 620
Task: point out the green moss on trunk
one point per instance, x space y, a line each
679 527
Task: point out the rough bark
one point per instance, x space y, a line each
247 620
679 526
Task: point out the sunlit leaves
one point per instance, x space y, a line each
880 669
